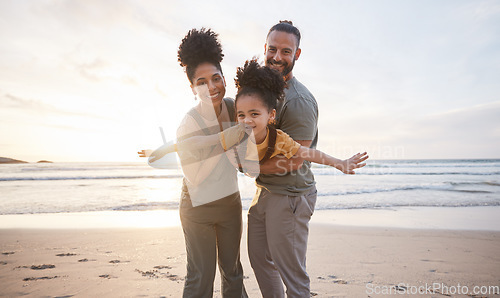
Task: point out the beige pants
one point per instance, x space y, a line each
278 228
213 233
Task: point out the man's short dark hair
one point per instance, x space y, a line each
288 27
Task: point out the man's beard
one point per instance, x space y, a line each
287 68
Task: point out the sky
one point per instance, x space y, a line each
86 80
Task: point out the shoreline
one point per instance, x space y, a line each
480 218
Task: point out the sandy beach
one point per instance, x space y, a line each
343 261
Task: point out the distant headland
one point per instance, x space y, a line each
13 161
44 161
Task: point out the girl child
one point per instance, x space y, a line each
259 90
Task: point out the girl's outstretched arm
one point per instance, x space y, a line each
346 166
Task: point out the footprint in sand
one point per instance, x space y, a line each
39 278
107 276
437 261
117 261
158 274
400 288
66 255
38 267
42 267
334 279
162 267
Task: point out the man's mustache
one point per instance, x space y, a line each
274 62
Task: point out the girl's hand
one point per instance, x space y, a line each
355 162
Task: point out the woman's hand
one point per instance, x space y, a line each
232 136
355 162
145 152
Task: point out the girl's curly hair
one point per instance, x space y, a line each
199 46
267 83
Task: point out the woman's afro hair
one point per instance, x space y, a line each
199 46
255 78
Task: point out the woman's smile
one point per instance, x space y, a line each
209 84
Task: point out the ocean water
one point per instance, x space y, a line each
83 187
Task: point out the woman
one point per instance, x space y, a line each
210 207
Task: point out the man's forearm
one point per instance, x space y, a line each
281 165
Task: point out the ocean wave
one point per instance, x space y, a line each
426 165
402 188
430 173
90 177
490 183
378 205
77 209
147 206
383 172
321 205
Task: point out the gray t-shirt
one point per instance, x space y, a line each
297 115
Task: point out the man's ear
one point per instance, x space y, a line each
265 48
297 53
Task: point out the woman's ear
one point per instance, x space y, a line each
193 89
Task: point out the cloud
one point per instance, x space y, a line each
10 101
91 69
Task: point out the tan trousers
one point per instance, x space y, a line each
278 228
213 233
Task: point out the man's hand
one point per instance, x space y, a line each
145 152
355 162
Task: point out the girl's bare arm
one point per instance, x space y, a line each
346 166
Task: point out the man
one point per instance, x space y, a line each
278 219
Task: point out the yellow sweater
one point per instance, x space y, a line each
285 145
